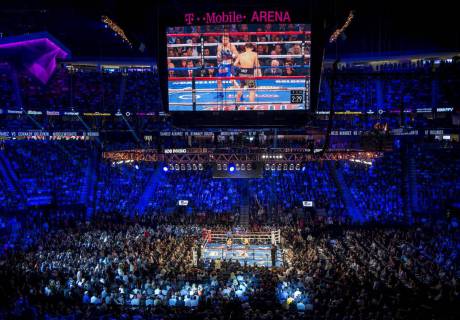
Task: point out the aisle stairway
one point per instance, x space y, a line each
412 179
9 176
244 206
409 179
353 210
5 174
88 194
156 178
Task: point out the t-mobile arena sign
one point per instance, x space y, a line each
257 16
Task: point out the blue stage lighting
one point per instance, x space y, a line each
231 167
165 169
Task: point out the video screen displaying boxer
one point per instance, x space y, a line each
239 67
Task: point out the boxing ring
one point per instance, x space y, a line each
273 93
198 87
248 248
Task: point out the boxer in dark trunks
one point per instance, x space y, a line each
248 63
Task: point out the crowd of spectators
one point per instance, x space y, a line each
68 173
388 86
437 178
58 261
48 172
125 268
376 189
184 52
271 198
391 86
280 193
55 94
119 188
205 194
86 90
7 99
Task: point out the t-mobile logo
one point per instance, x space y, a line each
189 18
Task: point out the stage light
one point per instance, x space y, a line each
165 169
137 167
231 167
304 169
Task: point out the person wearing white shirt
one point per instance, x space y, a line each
239 293
226 291
104 293
149 302
297 293
183 292
300 306
172 301
135 301
47 291
187 301
95 300
194 301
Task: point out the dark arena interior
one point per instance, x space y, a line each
217 160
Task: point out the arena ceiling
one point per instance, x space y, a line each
378 27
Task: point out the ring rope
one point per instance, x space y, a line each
237 247
233 89
239 33
237 78
216 68
232 103
280 56
181 45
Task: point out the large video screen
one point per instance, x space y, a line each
239 67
